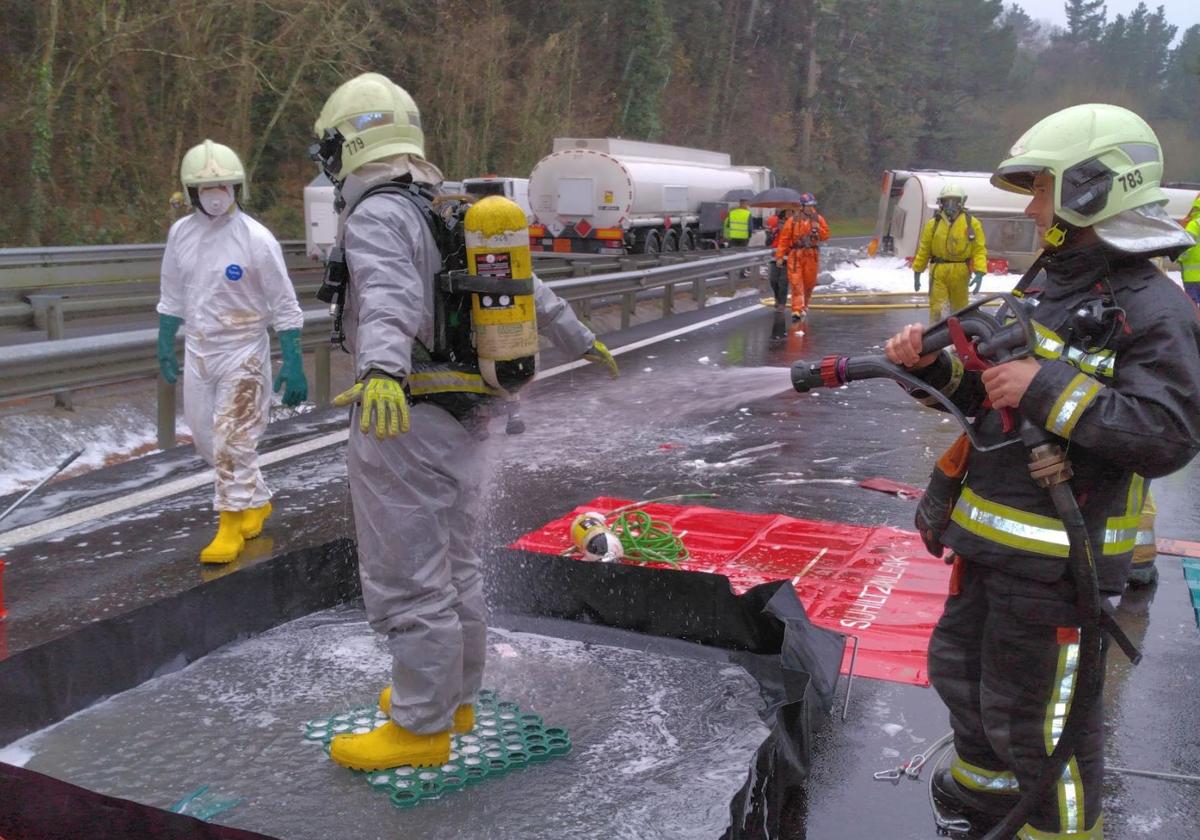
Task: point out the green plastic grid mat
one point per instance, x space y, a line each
1191 574
504 739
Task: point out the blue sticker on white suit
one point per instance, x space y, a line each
233 272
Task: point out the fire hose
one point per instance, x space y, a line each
982 340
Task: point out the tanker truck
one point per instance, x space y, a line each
606 196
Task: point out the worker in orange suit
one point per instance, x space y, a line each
798 242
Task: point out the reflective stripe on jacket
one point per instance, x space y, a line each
1126 403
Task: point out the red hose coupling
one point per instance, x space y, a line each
830 374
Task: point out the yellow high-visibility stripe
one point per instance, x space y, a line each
1071 404
956 375
978 778
1069 787
1045 535
1050 345
425 383
1010 526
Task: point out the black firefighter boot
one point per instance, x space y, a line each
982 810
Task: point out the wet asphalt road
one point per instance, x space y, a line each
708 410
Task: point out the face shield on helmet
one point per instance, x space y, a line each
367 119
210 164
1107 166
808 204
950 206
951 201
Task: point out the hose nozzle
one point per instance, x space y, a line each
830 372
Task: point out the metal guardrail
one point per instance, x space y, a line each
25 270
42 288
57 367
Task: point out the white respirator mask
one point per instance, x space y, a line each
216 201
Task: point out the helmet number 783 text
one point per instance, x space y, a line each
1131 179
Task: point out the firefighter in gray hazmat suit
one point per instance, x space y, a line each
416 460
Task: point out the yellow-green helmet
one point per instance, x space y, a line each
953 190
210 164
366 119
1105 160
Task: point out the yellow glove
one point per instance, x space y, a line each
385 397
599 355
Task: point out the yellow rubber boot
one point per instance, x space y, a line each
464 715
253 519
228 542
390 745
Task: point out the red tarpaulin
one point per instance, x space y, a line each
878 584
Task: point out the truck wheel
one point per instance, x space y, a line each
687 240
651 243
670 241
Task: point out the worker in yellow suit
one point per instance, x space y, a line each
953 242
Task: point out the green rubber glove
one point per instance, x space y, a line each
977 281
382 395
599 355
168 362
291 372
916 281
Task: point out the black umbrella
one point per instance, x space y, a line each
739 195
777 197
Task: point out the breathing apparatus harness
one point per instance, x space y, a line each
812 239
485 334
447 232
937 220
982 340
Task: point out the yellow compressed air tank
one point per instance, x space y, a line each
503 317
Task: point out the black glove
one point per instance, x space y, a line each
933 511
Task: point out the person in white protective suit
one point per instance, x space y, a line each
224 280
415 472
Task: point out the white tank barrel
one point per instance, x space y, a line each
621 190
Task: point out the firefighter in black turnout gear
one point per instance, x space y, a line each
1116 377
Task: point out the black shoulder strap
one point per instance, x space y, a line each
447 233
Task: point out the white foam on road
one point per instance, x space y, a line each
141 498
891 274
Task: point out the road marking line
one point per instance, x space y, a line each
38 530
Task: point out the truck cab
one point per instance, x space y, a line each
516 189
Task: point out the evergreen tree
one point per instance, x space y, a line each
1085 22
1181 89
649 44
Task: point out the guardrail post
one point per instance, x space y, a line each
628 305
668 299
48 316
322 372
699 287
732 276
166 414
